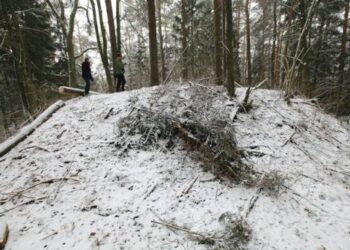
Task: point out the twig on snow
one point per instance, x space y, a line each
150 191
188 189
249 206
197 235
38 184
23 204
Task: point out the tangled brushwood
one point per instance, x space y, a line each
273 183
189 118
236 235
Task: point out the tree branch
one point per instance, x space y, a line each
84 51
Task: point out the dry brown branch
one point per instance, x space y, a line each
23 204
188 189
150 191
290 139
38 184
198 236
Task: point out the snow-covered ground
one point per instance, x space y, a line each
67 186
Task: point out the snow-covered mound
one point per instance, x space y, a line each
73 185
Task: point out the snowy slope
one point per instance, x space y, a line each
67 186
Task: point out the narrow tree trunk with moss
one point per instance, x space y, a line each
343 55
230 53
274 41
117 17
154 76
112 37
184 38
218 41
102 47
70 46
162 56
249 64
284 57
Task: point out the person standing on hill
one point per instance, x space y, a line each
86 74
120 73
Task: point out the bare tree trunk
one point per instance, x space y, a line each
304 67
290 81
184 38
223 42
274 39
70 46
284 59
318 48
112 37
102 47
23 77
237 43
343 54
230 53
154 76
278 53
218 41
249 64
117 17
4 118
159 14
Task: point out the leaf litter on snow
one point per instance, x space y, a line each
178 167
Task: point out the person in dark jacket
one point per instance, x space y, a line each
120 73
86 74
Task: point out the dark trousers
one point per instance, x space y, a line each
87 85
121 82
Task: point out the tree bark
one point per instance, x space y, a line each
284 59
274 39
184 38
304 67
343 55
218 41
159 14
113 40
102 46
249 64
70 46
230 53
117 17
290 82
154 76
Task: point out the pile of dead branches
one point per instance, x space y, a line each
188 119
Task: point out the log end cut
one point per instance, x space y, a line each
4 233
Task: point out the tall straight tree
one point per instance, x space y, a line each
70 45
68 35
112 37
117 18
249 60
342 56
102 45
344 40
153 50
161 42
230 53
274 41
218 41
184 37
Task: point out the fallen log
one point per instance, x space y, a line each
4 232
30 128
64 90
